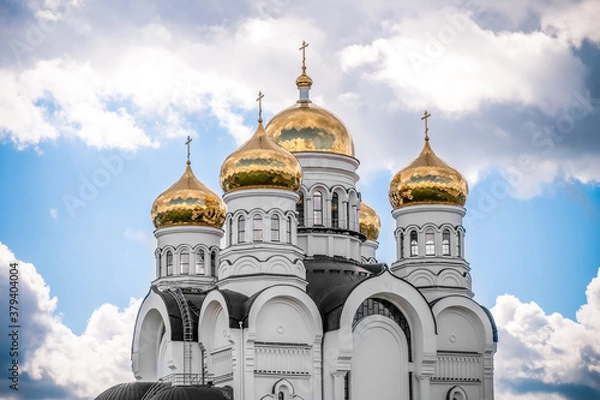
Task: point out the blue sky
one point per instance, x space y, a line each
96 105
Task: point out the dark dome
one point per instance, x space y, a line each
194 392
125 391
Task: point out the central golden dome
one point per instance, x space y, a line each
188 202
428 180
308 127
260 164
369 221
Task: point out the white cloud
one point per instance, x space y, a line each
53 213
446 61
550 350
102 351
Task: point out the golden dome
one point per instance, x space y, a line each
188 202
428 180
308 127
260 164
304 80
369 221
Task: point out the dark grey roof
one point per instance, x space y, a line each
330 281
194 298
125 391
193 392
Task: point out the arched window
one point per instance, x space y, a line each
446 243
213 263
429 243
414 244
335 211
275 228
289 230
241 229
184 262
230 233
300 210
347 214
281 396
169 263
318 208
374 306
257 228
159 266
459 244
401 244
200 262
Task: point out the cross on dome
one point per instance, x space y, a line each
259 99
188 141
424 117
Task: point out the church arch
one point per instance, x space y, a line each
152 328
456 393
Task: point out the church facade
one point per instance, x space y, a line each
274 291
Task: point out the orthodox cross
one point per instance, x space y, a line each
188 141
259 99
303 48
424 117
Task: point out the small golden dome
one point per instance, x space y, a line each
188 202
308 127
304 80
260 164
428 180
369 221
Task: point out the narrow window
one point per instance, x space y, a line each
459 244
280 396
347 386
169 263
335 211
401 244
200 262
300 210
213 263
184 262
446 243
230 233
257 228
414 244
347 214
429 243
289 230
275 228
241 229
159 268
318 208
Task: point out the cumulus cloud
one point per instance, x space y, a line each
56 363
541 354
53 213
492 74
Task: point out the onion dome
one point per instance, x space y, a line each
428 180
369 221
308 127
260 163
188 202
193 392
126 391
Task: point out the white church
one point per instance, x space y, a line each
274 291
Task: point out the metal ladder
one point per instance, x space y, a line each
188 332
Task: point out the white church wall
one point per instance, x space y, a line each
379 361
284 334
